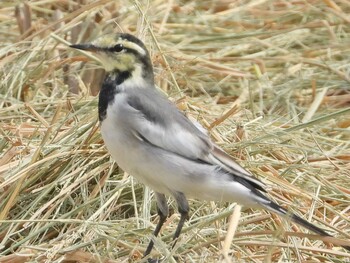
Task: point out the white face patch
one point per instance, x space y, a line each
104 41
136 79
108 41
132 45
122 60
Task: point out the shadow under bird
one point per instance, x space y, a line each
152 140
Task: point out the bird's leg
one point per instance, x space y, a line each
163 212
183 210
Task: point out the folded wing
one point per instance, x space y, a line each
172 131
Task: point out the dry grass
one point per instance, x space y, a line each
269 78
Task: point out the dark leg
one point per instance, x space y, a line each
183 210
163 212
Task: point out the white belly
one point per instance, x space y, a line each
130 154
164 171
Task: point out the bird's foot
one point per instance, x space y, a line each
154 260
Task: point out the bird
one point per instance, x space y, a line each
152 140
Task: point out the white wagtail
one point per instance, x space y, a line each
152 140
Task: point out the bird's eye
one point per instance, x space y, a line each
117 48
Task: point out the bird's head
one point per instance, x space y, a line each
121 53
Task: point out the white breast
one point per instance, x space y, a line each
126 149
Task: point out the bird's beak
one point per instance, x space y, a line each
86 47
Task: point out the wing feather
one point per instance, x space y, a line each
218 156
174 132
168 129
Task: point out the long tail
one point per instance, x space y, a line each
275 208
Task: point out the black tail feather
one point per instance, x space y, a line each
273 207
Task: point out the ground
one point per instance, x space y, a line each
270 81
